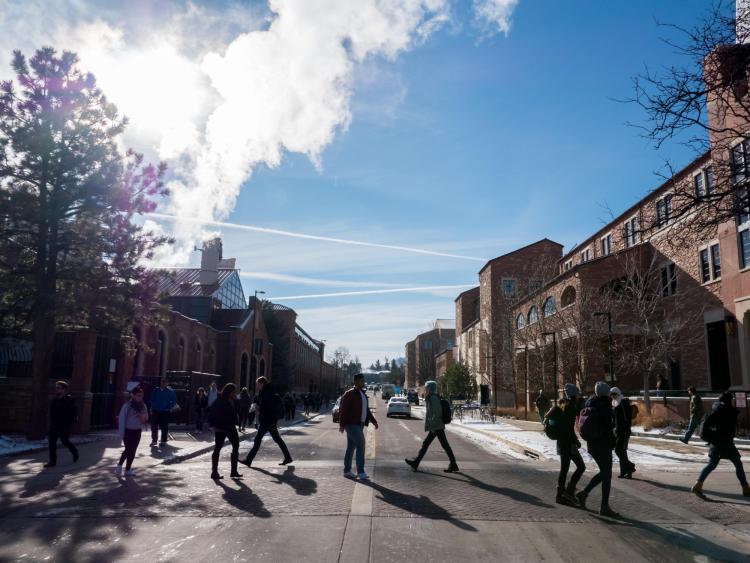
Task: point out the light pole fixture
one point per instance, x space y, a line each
609 341
554 359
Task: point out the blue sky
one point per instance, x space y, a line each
443 134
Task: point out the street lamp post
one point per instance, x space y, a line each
609 341
554 359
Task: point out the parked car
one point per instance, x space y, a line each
335 411
398 406
412 397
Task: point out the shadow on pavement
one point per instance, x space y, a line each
301 485
243 498
686 490
418 505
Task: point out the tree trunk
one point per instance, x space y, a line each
646 396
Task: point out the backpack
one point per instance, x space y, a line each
278 406
710 428
553 423
587 424
446 407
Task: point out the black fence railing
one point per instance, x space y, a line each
185 384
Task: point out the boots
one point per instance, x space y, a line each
413 463
563 498
452 468
607 511
215 470
570 494
581 498
745 490
698 488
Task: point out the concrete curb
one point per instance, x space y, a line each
179 458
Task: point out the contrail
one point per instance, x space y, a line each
373 292
312 237
314 281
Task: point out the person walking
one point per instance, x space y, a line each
623 418
719 430
542 405
62 415
596 428
435 428
306 404
222 417
163 400
270 408
133 415
568 448
696 414
289 407
213 394
201 407
354 415
243 408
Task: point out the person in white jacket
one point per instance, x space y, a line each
213 394
133 415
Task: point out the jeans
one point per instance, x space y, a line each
603 459
355 440
714 461
569 453
159 420
131 439
692 426
440 435
273 430
64 435
234 439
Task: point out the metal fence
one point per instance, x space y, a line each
185 384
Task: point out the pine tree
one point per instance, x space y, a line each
72 256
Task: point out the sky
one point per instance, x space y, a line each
439 133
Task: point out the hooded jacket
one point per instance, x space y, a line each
62 412
724 418
605 436
221 415
433 419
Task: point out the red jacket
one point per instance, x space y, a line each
350 409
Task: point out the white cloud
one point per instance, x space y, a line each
493 16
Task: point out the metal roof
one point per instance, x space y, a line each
184 282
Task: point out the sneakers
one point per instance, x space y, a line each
350 475
413 463
363 476
216 476
607 511
152 445
236 475
286 461
118 470
129 473
452 468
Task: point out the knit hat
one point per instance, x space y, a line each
571 390
431 385
601 389
615 391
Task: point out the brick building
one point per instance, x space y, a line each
410 365
421 353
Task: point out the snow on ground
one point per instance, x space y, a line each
10 445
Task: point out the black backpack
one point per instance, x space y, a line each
446 407
710 428
553 423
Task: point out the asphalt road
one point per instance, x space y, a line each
495 508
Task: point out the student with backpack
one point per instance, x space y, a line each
434 425
270 410
222 416
623 413
559 425
719 430
595 426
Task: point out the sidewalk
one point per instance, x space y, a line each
526 440
184 443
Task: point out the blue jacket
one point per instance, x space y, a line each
163 399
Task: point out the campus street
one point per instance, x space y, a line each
497 507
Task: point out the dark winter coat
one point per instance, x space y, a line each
201 404
221 415
696 407
243 404
568 439
350 408
267 415
605 437
62 412
623 414
725 420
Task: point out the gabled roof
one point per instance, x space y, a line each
185 282
490 262
460 295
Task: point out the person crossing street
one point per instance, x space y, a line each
354 416
269 410
434 425
62 415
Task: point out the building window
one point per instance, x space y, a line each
549 307
509 287
705 266
744 241
533 315
664 210
585 255
704 182
740 161
606 244
567 265
631 231
520 321
669 280
716 261
535 285
568 296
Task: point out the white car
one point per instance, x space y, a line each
398 406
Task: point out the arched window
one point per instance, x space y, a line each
549 306
520 321
198 356
533 315
568 296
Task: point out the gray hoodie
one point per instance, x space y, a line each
131 419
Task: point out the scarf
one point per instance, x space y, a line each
137 406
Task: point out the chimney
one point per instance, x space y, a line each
210 259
